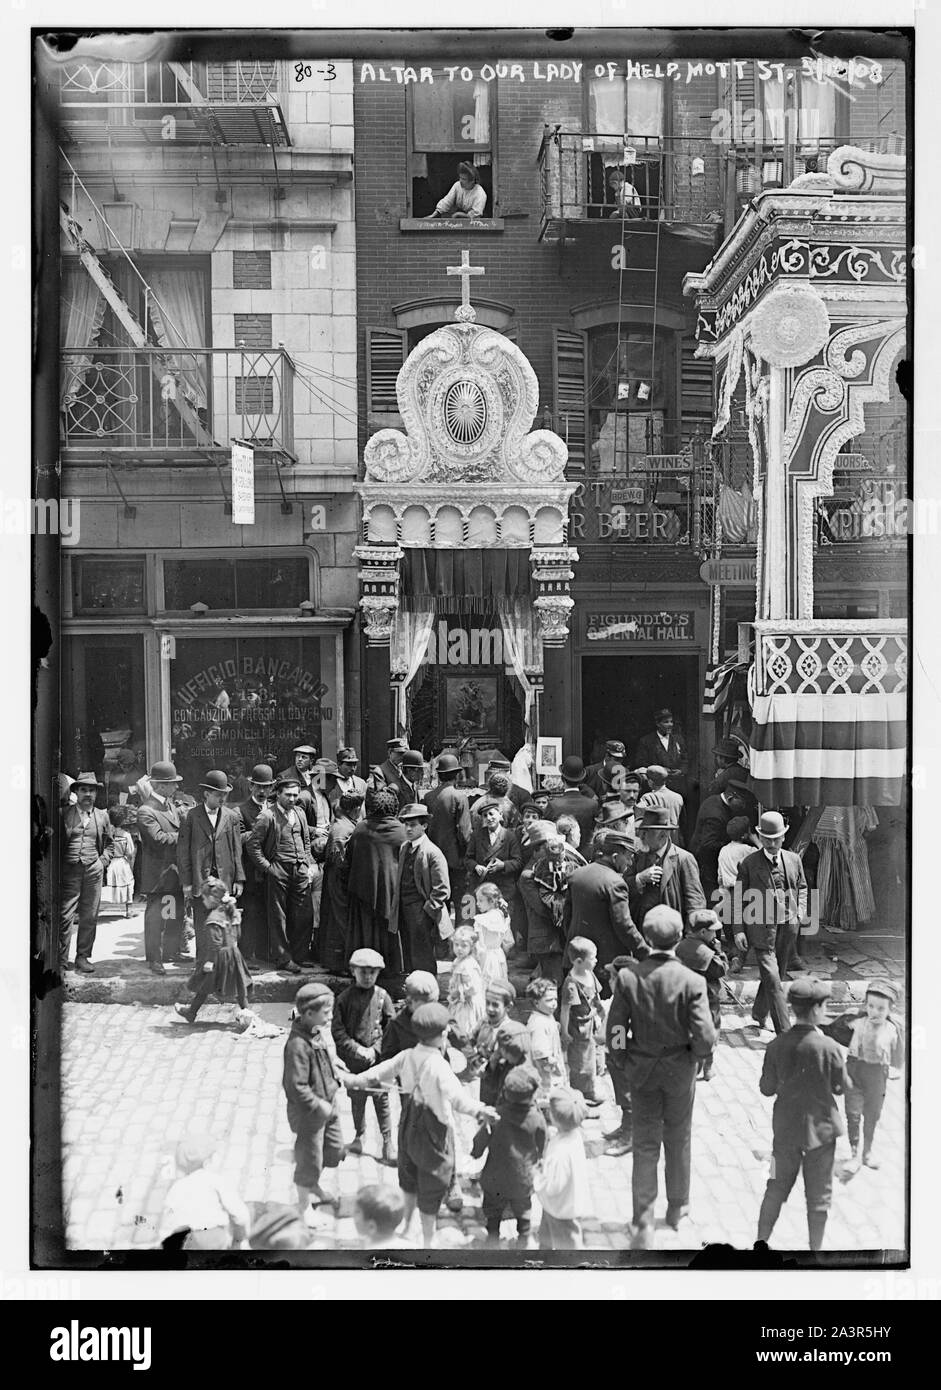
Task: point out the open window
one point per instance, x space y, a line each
626 124
449 123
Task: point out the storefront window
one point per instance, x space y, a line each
235 702
108 586
279 582
103 719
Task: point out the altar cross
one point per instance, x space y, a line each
465 270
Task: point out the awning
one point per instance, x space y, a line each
829 750
464 581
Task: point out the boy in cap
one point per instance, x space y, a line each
700 951
431 1093
875 1056
361 1014
311 1069
804 1070
514 1145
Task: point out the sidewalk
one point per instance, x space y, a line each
121 976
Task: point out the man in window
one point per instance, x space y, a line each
466 198
625 195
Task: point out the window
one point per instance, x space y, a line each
108 586
103 712
628 398
449 122
279 582
626 119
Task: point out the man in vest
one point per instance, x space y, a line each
86 852
279 847
210 846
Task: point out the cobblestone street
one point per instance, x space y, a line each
135 1077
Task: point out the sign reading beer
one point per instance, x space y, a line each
640 625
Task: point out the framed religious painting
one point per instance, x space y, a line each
472 704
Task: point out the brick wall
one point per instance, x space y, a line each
251 270
252 330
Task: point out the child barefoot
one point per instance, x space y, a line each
494 937
562 1183
431 1093
514 1146
466 986
202 1208
225 972
362 1011
545 1044
377 1216
310 1085
582 1017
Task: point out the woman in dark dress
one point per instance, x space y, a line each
371 870
335 950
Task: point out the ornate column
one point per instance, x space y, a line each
552 576
379 588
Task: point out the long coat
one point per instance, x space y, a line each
659 1012
582 805
195 847
335 902
158 824
651 753
679 885
708 838
599 908
754 916
248 813
371 871
430 876
449 822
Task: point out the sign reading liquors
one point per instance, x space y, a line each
661 625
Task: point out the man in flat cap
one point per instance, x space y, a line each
659 1025
210 846
803 1069
254 941
422 891
389 773
347 782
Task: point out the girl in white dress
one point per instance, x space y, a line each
466 986
492 930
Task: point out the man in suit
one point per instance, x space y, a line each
254 945
659 794
666 749
494 855
158 824
449 825
601 778
279 847
709 833
210 846
575 800
86 852
346 782
659 1025
770 904
662 874
599 906
422 890
389 773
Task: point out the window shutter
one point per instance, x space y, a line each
385 354
696 389
570 392
745 94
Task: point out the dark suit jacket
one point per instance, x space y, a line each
805 1071
505 847
599 908
104 834
158 825
248 813
679 885
659 1013
650 751
449 822
708 838
263 842
581 805
430 877
194 850
388 775
756 911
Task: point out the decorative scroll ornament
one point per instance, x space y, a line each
790 326
378 616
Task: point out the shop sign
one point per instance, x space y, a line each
718 572
663 625
243 485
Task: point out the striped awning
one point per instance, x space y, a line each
829 750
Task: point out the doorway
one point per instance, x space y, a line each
620 694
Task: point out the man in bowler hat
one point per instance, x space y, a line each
771 901
575 800
450 826
86 852
253 903
210 846
279 847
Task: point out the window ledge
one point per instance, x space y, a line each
451 224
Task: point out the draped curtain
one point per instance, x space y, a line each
81 315
521 648
464 581
411 632
177 308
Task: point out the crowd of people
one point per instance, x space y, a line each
622 936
